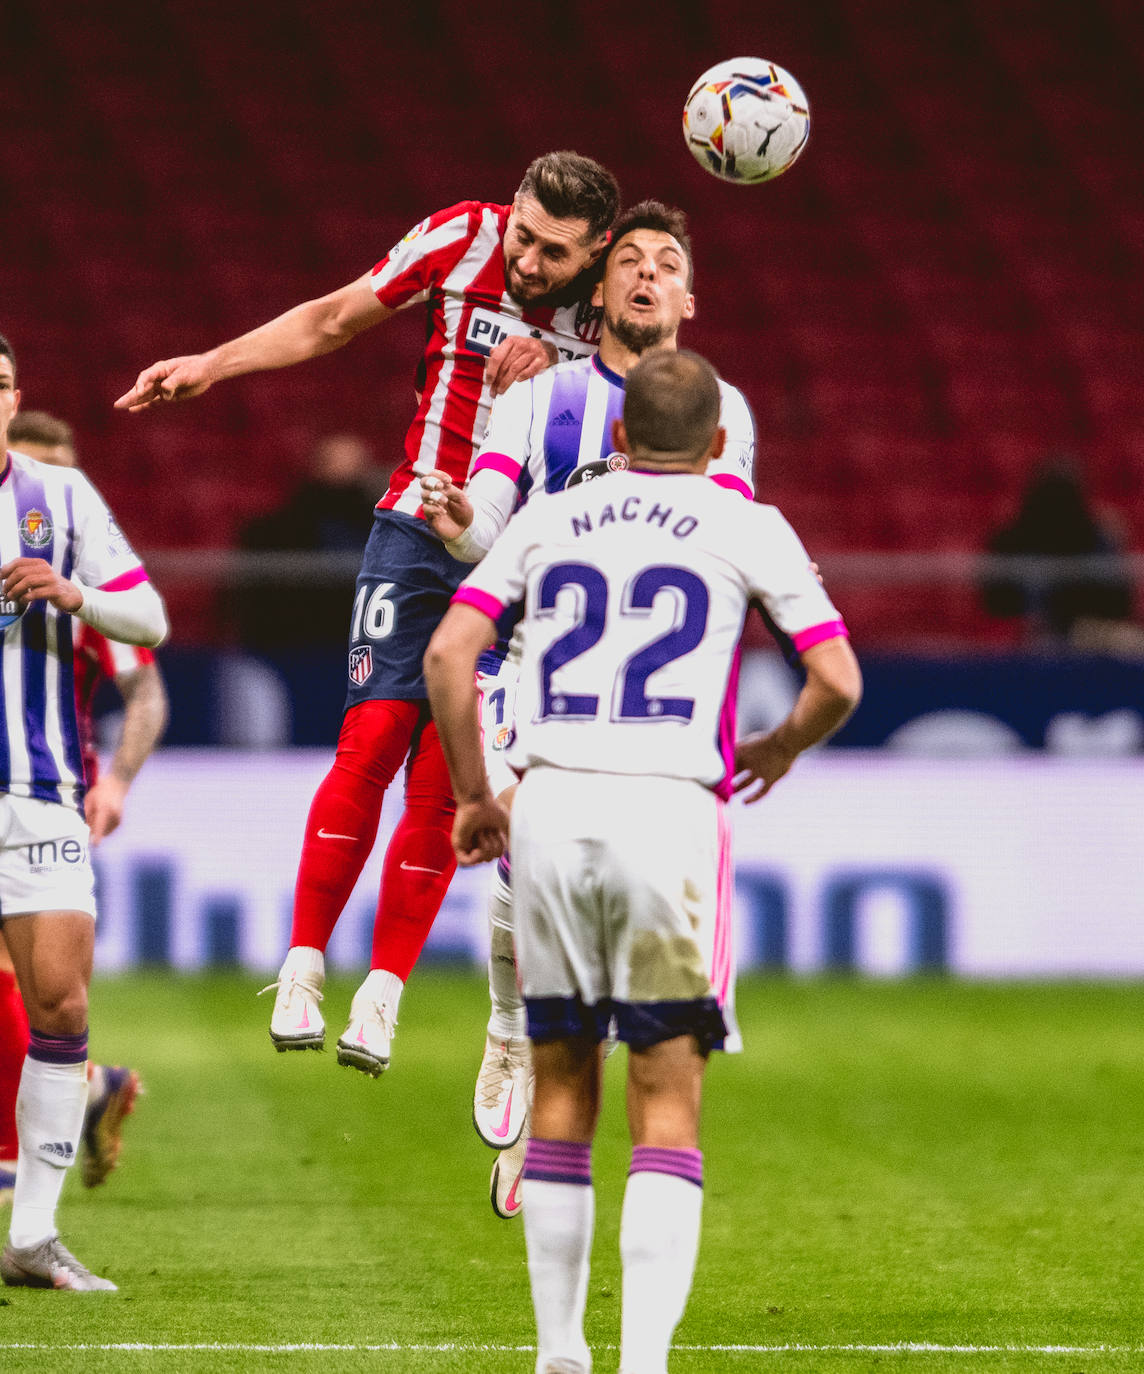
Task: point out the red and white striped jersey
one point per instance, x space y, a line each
99 659
453 263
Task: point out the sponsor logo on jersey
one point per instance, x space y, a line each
36 529
10 612
361 664
487 328
416 231
504 737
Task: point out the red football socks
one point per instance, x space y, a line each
342 824
419 863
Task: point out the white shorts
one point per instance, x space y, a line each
45 862
498 713
622 895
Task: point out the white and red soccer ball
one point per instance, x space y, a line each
746 120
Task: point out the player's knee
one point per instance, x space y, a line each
60 1008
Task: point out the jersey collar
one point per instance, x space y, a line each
606 372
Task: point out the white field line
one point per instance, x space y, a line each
462 1347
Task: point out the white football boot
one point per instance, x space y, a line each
49 1265
504 1184
296 1023
365 1042
500 1101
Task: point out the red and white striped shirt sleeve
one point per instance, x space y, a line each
431 249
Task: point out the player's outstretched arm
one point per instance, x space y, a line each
144 720
307 331
832 690
480 830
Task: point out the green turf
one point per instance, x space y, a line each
920 1161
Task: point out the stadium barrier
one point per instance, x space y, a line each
1024 866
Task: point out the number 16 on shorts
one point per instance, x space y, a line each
373 619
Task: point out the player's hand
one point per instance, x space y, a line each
448 511
103 806
760 761
517 358
32 579
480 831
177 379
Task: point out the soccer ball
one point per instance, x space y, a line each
746 120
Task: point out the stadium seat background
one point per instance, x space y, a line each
947 287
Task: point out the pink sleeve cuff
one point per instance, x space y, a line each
125 580
817 634
733 483
498 462
480 601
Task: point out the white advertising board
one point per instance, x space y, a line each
1015 867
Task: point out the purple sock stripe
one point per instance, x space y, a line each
558 1161
653 1159
57 1049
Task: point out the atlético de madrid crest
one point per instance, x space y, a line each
361 664
36 529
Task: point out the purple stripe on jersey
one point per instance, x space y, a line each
65 643
504 869
480 601
57 1049
563 426
558 1161
818 634
613 411
733 483
654 1159
498 462
726 742
37 540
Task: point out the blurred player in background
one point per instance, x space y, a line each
636 591
63 557
545 434
506 294
112 1089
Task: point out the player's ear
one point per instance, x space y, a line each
718 444
598 295
689 306
620 437
598 247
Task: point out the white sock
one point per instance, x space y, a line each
49 1120
508 1019
558 1222
659 1242
384 988
304 961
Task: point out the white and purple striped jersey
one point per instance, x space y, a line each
453 264
555 430
636 589
55 514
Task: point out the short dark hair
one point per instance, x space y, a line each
38 427
664 219
6 352
569 186
671 404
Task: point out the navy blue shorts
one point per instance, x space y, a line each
407 578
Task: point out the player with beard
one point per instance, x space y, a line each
548 433
506 295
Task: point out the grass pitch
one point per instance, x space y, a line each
916 1176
